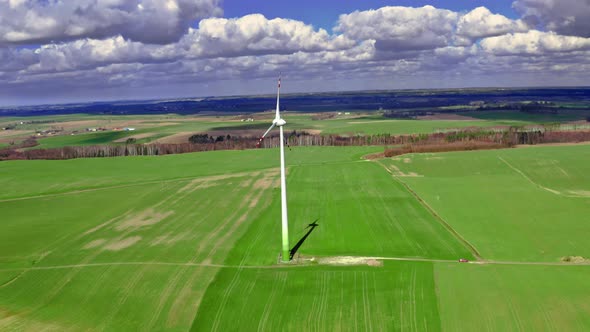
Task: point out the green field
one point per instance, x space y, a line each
397 296
513 298
191 242
151 128
526 204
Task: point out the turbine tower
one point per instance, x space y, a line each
279 122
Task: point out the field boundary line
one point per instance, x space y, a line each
553 191
445 224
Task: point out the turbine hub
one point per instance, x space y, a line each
279 122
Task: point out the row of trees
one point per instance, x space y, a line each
436 142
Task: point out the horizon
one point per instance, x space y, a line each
283 94
132 51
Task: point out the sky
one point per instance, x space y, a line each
54 51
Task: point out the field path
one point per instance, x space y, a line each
279 266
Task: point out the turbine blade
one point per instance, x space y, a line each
277 115
263 136
268 130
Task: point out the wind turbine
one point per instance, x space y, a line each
279 122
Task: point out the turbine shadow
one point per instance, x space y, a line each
311 227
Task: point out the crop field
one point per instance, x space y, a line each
498 297
174 128
191 241
397 296
528 204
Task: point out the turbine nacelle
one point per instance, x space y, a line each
279 122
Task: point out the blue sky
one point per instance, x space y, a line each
75 51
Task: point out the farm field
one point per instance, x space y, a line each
528 204
90 258
395 297
39 177
359 211
513 298
190 242
174 128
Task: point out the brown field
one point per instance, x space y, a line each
447 116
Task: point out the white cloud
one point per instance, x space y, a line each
400 28
481 23
533 42
150 21
254 34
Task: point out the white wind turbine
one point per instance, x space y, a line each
279 122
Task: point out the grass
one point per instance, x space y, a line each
190 241
135 257
359 210
138 250
397 297
36 177
516 204
509 298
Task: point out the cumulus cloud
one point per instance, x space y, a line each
249 35
148 21
400 28
403 45
534 42
254 34
90 53
569 17
481 23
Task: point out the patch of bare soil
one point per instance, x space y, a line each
394 170
312 131
349 260
167 239
585 193
209 181
104 224
94 243
575 260
446 116
110 124
269 183
11 133
145 218
122 244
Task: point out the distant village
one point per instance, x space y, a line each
53 131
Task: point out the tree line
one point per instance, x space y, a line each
467 139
